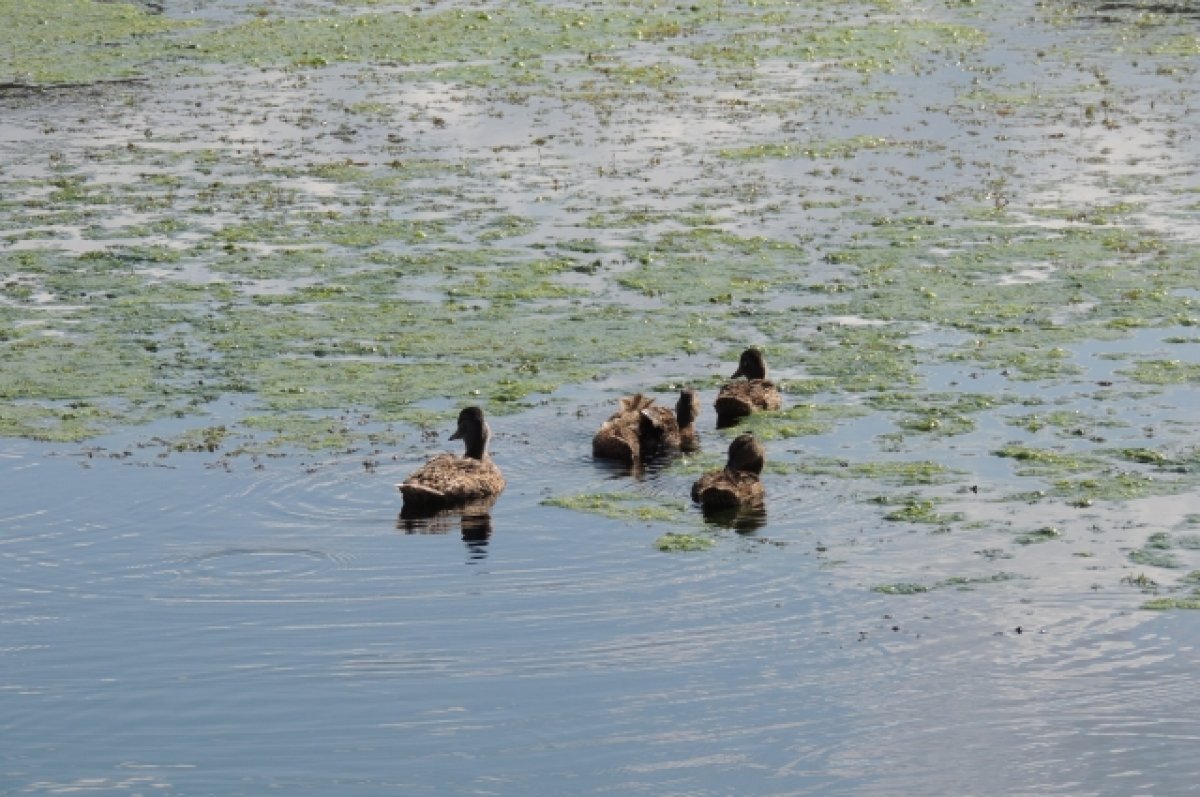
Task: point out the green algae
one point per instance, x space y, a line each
674 542
1044 534
1156 552
283 431
862 360
624 507
1067 423
953 582
1164 372
1167 604
512 39
914 509
79 41
844 148
900 588
866 48
797 420
706 266
1044 461
905 474
1189 582
1114 486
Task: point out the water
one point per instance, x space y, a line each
209 622
189 630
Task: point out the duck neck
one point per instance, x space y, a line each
476 446
685 413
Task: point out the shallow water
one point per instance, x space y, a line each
210 590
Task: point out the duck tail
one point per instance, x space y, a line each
419 493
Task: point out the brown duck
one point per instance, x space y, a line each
639 428
738 399
447 480
738 483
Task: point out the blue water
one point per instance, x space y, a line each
172 627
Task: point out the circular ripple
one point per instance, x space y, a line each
242 566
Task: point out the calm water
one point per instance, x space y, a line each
188 630
195 624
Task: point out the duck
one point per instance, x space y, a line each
737 484
447 480
640 428
738 399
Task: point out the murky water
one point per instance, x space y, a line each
191 606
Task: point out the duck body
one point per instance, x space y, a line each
620 437
447 480
738 483
640 429
754 393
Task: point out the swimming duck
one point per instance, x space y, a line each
738 399
447 480
738 483
639 428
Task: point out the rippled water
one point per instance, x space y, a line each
187 630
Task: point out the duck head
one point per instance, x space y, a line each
473 431
746 454
751 365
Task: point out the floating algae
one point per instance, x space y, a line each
79 41
674 542
625 507
907 474
954 582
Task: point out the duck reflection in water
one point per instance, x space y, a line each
746 519
473 520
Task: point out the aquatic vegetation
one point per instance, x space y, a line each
1044 461
845 148
863 360
626 507
1141 581
1044 534
1067 423
1155 552
914 509
867 48
797 420
1113 486
78 41
953 582
675 542
1168 603
906 474
1164 372
900 588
